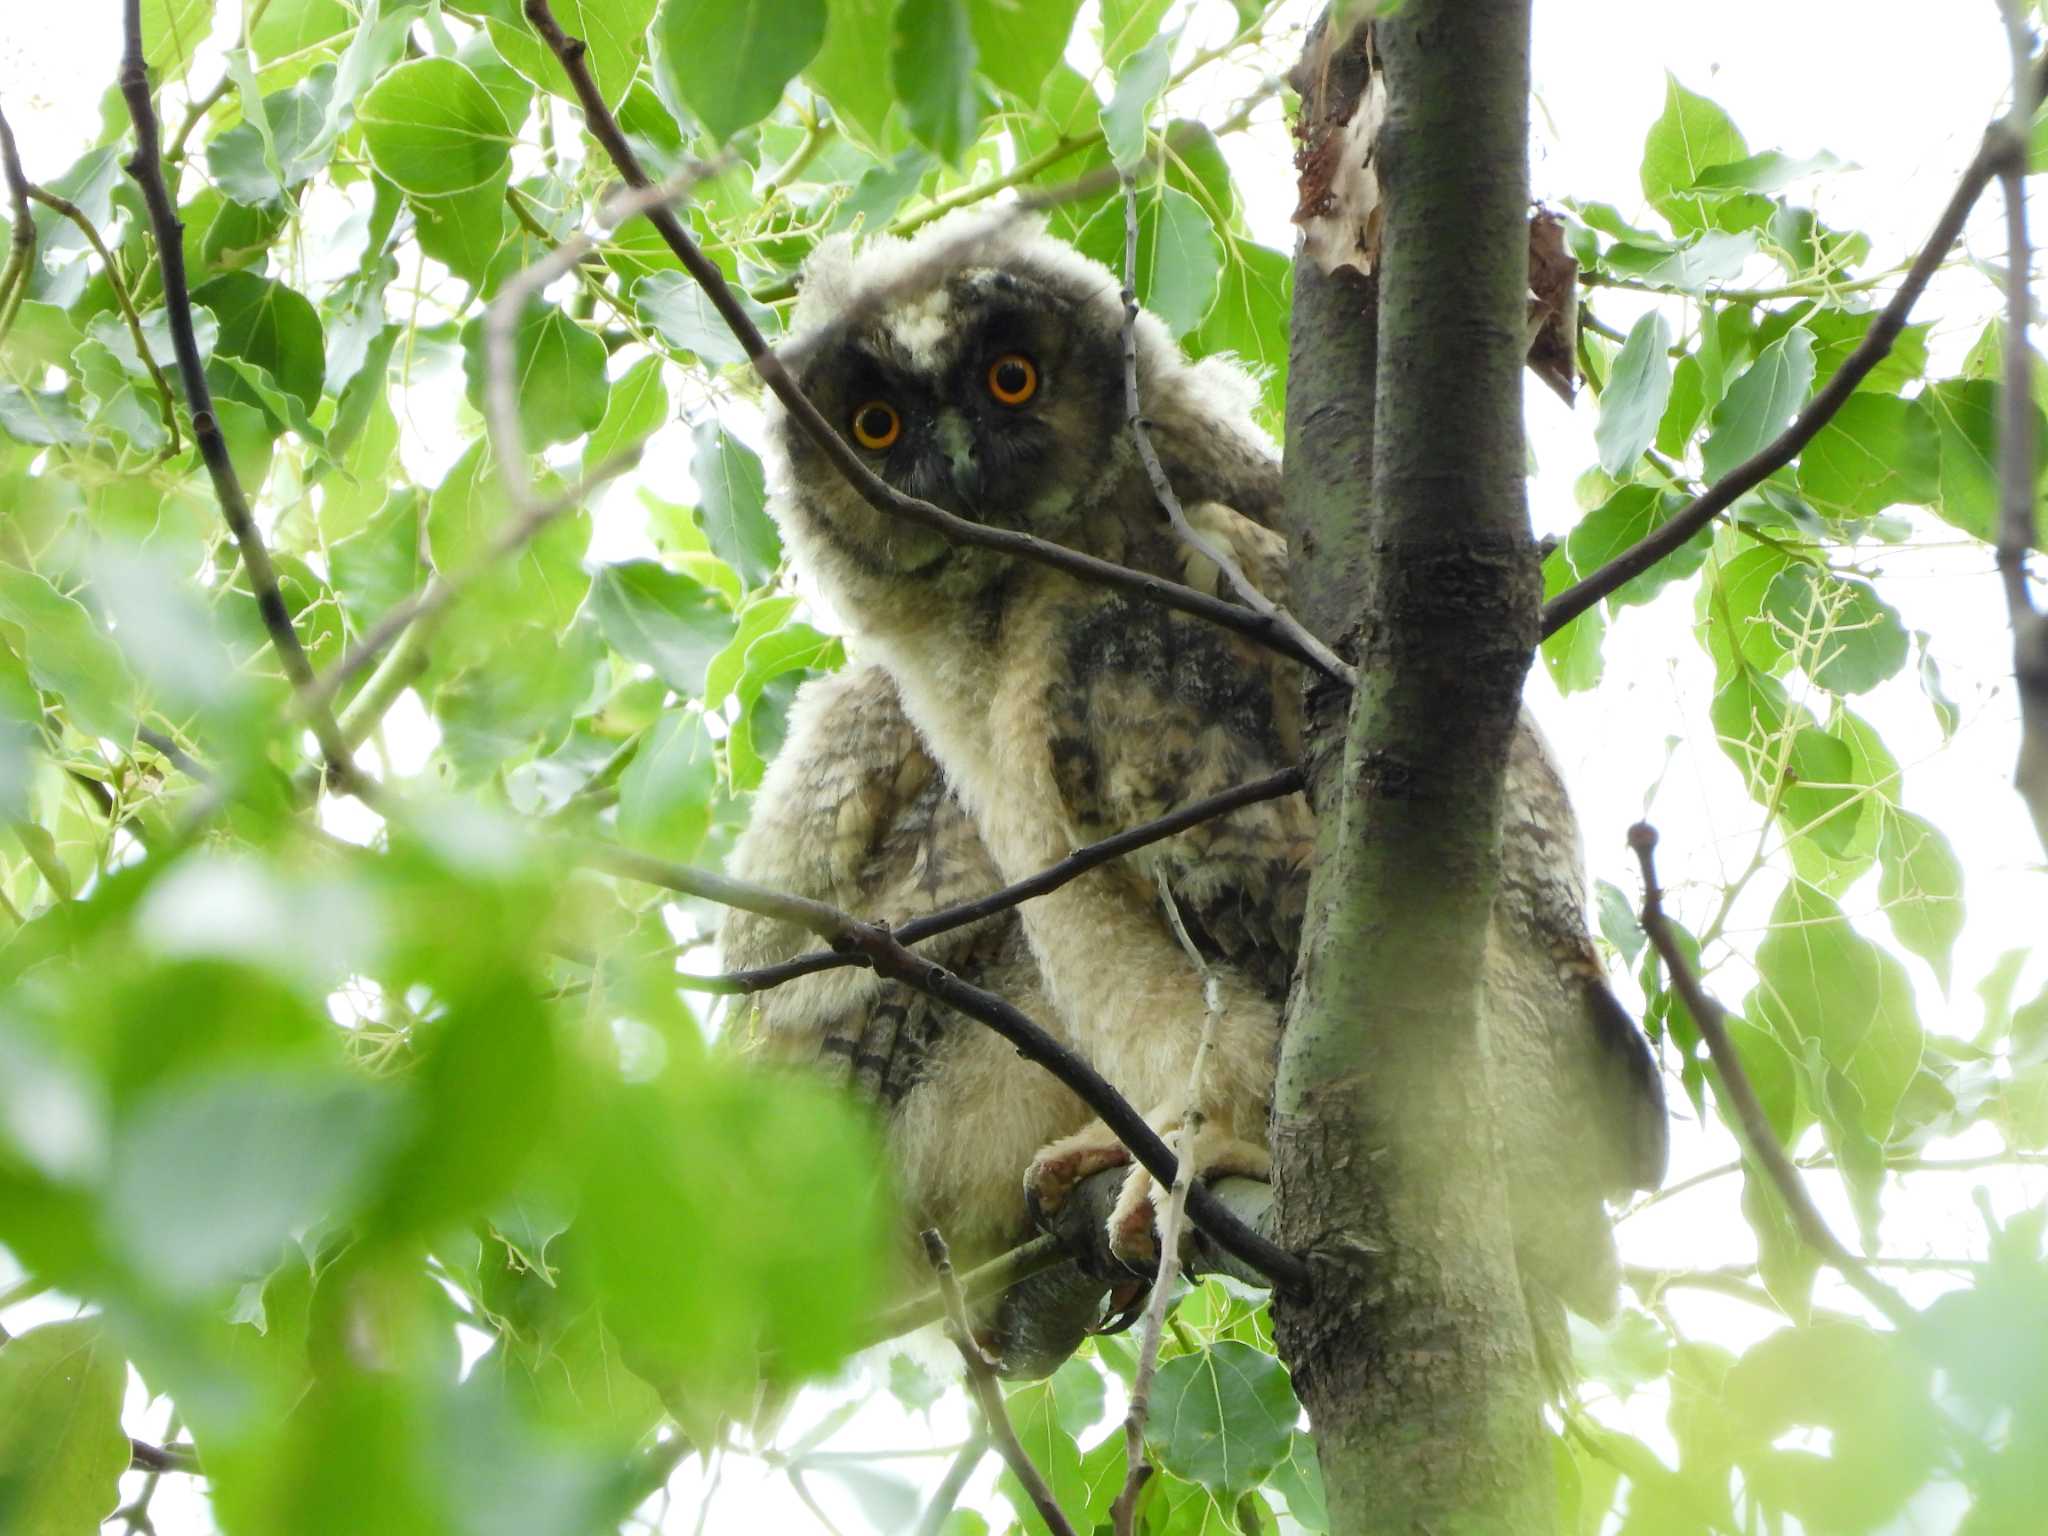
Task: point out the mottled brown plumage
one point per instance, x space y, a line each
1058 712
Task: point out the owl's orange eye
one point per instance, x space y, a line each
876 425
1013 378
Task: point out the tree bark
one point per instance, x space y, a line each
1406 505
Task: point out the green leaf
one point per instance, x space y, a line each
728 60
1713 256
1761 403
1250 318
271 326
614 34
1875 452
852 68
1808 773
1041 1430
544 582
1692 135
1821 981
636 408
1572 655
69 655
1630 1352
732 507
558 369
62 1447
1180 259
1966 415
1920 887
37 416
1767 173
1138 84
215 1170
931 68
464 231
1624 520
1019 41
676 305
665 792
1638 388
661 619
290 26
433 128
172 31
1841 633
1127 26
1223 1417
251 168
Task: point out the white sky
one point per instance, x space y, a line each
1899 88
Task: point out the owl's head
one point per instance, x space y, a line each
977 365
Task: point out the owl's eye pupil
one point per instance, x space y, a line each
876 425
1012 377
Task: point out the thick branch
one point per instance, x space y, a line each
21 239
882 952
988 1392
878 493
1820 410
1752 1124
146 167
1051 878
2017 529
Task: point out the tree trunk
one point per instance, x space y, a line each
1405 502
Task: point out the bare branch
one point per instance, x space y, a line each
881 951
947 1494
988 1393
167 403
1327 661
1820 410
162 1458
146 167
878 493
1754 1127
2017 525
1051 878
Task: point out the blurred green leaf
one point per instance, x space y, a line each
732 509
1637 391
559 370
1017 44
662 619
68 654
62 1448
931 68
665 792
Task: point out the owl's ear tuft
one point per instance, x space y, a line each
826 281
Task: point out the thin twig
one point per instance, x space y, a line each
881 951
146 167
880 495
988 1393
1819 411
1752 1124
965 1463
761 978
162 1458
1327 661
2018 498
167 402
1124 1511
1028 1258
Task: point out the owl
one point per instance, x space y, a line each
987 377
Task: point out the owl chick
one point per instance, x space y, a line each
1060 711
854 812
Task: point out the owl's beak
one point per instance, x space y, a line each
956 444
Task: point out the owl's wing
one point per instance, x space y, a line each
854 813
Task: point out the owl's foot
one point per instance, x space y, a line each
1063 1164
1141 1204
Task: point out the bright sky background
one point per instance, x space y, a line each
1899 88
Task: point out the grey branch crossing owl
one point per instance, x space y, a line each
1015 713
